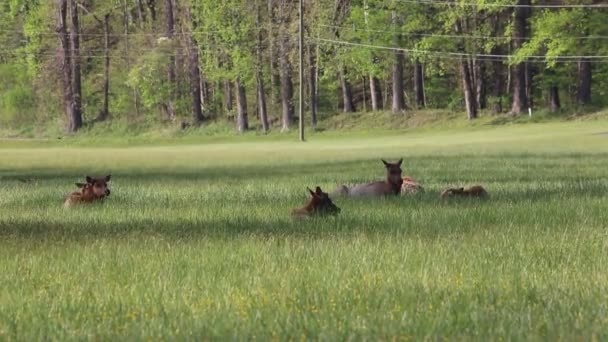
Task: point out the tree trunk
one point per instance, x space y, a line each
364 85
554 103
195 83
480 84
375 93
242 122
398 99
398 87
583 95
312 84
419 84
169 31
205 98
519 32
498 69
467 87
65 63
75 59
286 85
260 91
105 112
227 96
262 110
152 8
196 91
141 13
275 73
497 89
347 94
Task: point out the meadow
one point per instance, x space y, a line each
196 241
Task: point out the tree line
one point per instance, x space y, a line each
187 61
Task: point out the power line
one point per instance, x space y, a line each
455 3
442 54
354 28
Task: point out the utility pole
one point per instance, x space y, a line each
301 72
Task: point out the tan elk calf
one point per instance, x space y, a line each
390 186
474 191
95 189
319 204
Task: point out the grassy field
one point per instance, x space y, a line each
196 241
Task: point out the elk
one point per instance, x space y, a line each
319 204
390 186
410 187
475 191
95 189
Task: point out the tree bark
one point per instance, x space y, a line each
583 95
554 103
498 70
347 94
480 84
196 91
497 89
169 31
398 87
242 122
275 73
75 59
419 84
312 84
467 86
286 85
105 111
195 83
141 12
261 93
375 93
398 99
262 109
152 8
519 33
65 63
228 96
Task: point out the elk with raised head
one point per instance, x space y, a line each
390 186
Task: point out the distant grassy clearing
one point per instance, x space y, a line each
196 241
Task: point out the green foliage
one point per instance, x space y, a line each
17 103
148 78
226 36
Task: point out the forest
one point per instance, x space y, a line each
77 63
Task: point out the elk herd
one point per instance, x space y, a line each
319 203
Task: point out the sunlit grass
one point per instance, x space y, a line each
196 241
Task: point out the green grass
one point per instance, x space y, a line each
196 241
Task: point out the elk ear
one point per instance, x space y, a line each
108 178
312 193
385 163
319 191
89 180
460 189
400 161
81 185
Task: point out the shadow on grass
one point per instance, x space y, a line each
420 166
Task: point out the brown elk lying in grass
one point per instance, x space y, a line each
319 204
410 187
475 191
95 189
390 186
